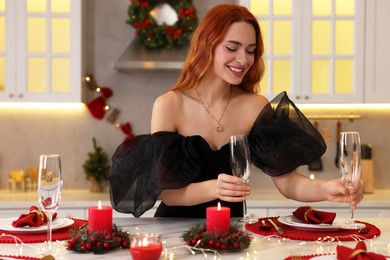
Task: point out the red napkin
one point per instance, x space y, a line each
35 218
358 253
312 216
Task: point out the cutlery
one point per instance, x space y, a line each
364 230
279 229
264 226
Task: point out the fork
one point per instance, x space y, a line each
364 230
295 256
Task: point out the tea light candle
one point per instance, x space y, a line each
218 219
145 247
100 219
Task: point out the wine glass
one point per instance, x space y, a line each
49 189
240 162
350 166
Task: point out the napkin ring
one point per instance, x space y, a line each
357 252
40 213
307 212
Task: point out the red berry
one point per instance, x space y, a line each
193 241
69 245
223 246
83 248
217 245
125 244
93 239
106 245
88 245
236 245
211 242
197 236
248 238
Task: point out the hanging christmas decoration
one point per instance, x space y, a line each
98 106
153 35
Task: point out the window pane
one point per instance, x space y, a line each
36 75
2 5
60 80
282 7
264 86
282 37
281 76
265 34
343 76
2 34
60 6
345 7
36 6
321 7
321 31
60 35
259 7
36 35
2 74
344 37
320 79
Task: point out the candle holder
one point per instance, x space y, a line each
146 246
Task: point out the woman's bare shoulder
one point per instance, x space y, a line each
170 100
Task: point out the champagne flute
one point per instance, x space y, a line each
350 167
240 162
49 189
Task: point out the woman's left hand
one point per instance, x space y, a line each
337 192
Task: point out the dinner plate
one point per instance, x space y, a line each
294 222
58 223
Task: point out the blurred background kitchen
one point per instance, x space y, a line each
26 132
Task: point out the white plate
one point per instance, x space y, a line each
58 223
294 222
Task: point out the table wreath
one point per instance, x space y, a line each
153 35
198 236
82 241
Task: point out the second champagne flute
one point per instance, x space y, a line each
350 167
49 188
241 165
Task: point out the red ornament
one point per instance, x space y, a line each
107 92
96 107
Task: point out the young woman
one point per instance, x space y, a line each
185 160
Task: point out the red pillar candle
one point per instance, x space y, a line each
145 246
100 219
218 219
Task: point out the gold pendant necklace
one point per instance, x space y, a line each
219 128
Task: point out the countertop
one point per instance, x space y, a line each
258 199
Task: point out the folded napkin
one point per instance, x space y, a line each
357 253
312 216
35 218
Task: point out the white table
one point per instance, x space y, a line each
261 247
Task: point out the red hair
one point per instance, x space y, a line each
208 35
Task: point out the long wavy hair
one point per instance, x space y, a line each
208 35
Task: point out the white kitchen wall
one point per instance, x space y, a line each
25 134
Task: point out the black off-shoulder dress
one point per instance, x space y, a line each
280 140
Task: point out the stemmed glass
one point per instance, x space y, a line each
241 166
350 166
49 189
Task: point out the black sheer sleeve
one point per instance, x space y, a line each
147 164
282 138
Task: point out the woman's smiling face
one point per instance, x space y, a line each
236 53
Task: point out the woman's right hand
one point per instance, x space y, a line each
231 188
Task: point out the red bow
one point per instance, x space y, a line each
190 12
140 26
175 33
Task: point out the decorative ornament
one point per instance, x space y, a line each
153 35
99 243
197 236
98 106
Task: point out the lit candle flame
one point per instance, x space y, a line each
312 176
219 206
145 241
100 204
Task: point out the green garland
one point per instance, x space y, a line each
82 241
157 36
197 236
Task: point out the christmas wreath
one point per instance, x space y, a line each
154 35
82 241
197 236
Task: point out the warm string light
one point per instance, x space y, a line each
98 106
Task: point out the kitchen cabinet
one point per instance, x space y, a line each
40 51
377 55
